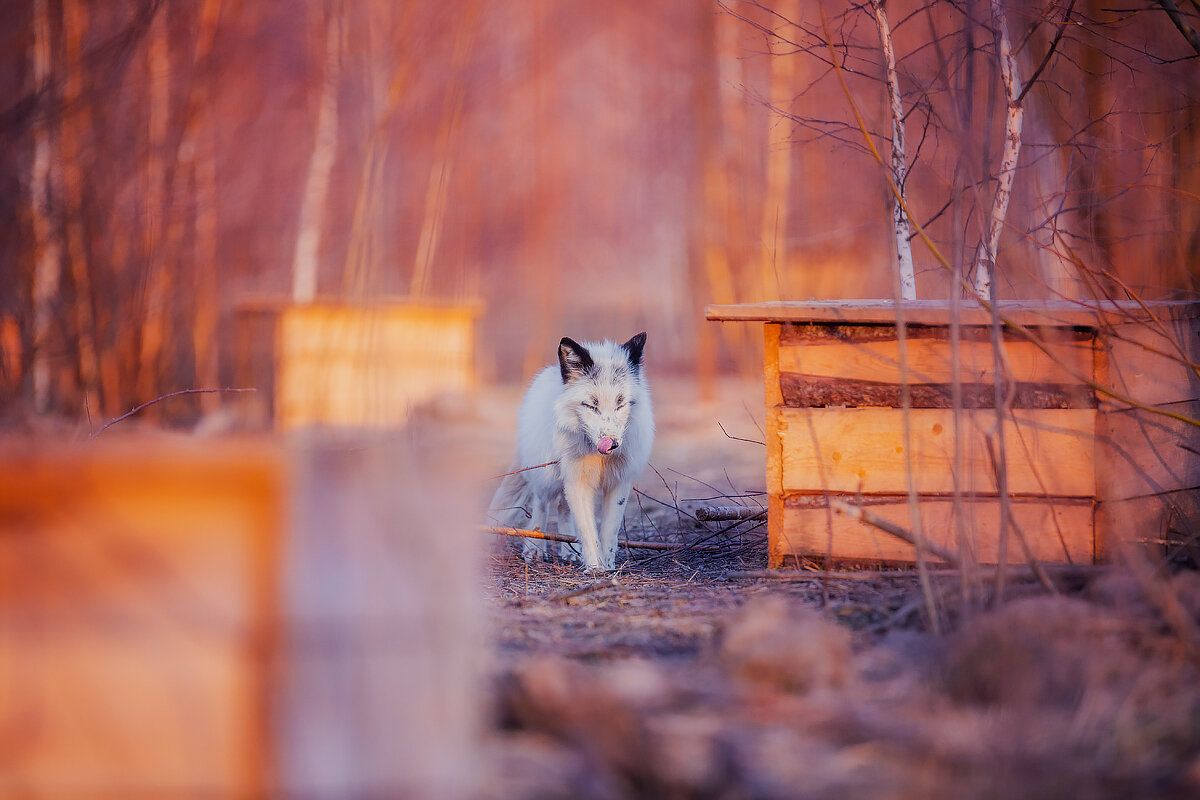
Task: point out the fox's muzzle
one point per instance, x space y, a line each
607 444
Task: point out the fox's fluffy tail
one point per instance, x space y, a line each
511 504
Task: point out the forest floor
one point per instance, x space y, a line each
694 673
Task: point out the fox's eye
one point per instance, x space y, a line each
620 400
592 406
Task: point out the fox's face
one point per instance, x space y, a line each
601 389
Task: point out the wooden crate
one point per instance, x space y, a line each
232 620
1084 471
354 366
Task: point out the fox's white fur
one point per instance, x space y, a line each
591 413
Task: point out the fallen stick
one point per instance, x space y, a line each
588 589
558 537
728 513
816 575
863 515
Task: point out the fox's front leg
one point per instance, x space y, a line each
582 500
612 514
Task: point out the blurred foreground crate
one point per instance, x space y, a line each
337 364
233 620
1084 471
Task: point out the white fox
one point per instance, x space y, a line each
592 416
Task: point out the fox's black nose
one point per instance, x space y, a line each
614 446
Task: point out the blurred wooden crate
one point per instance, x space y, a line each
231 620
1083 471
355 366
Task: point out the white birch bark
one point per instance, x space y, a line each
306 258
900 226
985 261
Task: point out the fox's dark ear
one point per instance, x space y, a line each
634 347
573 359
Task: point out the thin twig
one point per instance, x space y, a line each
738 438
136 409
863 515
1009 324
559 537
523 469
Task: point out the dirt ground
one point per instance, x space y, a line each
692 673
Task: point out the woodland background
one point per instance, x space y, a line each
573 166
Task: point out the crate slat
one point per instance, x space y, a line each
1057 530
1050 451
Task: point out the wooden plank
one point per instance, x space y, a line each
133 617
1148 362
929 361
937 312
367 367
1170 521
1058 531
1140 453
1050 451
802 391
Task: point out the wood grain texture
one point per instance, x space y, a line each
802 391
1057 530
929 361
1140 453
1169 521
852 449
367 367
1148 362
150 572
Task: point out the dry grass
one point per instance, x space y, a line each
681 678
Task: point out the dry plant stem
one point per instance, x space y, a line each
558 537
1164 599
1009 324
904 259
136 409
914 505
869 517
523 469
995 439
966 576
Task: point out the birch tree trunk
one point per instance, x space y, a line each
306 259
985 261
900 226
48 256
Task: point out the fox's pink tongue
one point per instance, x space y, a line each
605 445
